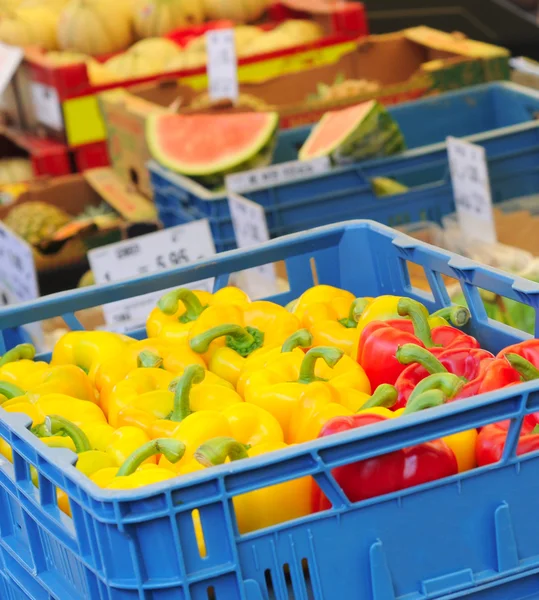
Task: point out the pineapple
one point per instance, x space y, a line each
36 222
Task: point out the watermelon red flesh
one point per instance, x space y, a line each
333 129
207 144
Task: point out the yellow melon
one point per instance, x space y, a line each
29 27
187 60
54 5
240 11
98 74
160 50
301 30
270 42
60 59
154 18
244 35
94 27
131 65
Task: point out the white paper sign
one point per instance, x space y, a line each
287 172
18 279
222 65
147 254
47 106
471 188
10 59
251 229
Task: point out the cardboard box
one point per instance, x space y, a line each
407 65
61 261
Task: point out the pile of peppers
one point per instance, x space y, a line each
221 378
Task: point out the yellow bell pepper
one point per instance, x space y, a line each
144 387
159 415
131 476
300 339
78 411
89 349
247 423
319 403
261 326
278 387
264 507
150 353
177 310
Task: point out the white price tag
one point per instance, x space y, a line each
147 254
287 172
10 59
471 188
222 65
47 106
18 279
251 229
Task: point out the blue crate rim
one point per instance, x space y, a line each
204 194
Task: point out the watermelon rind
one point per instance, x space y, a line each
221 168
373 134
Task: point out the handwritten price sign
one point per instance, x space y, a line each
471 189
222 65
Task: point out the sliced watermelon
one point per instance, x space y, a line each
211 146
363 131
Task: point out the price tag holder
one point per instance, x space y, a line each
47 106
18 278
10 59
471 189
147 254
222 65
251 229
287 172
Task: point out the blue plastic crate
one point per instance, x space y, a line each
499 116
473 534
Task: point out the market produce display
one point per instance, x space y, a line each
222 378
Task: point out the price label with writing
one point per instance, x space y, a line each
10 59
147 254
287 172
18 279
251 229
222 65
471 189
47 106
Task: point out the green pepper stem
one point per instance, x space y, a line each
448 383
428 399
299 339
457 315
356 310
20 352
215 451
10 390
419 316
182 390
385 395
169 304
55 424
173 450
244 340
524 367
331 356
149 360
409 354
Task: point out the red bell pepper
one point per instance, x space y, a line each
480 370
379 341
393 471
491 441
528 350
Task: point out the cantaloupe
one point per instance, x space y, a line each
154 18
94 27
34 26
244 35
186 60
240 11
160 50
131 65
